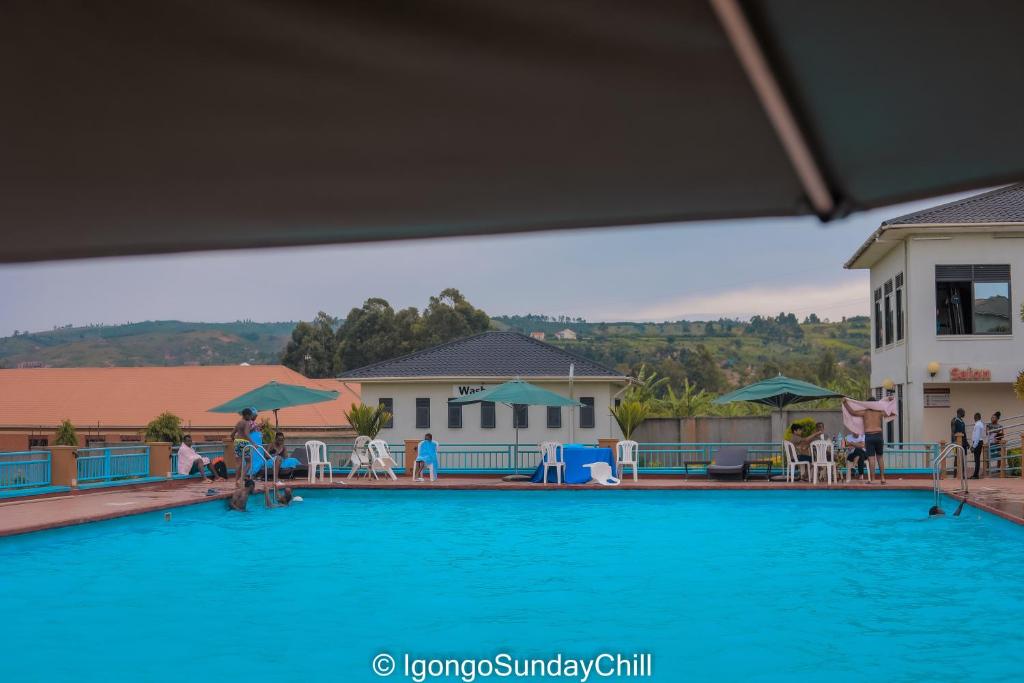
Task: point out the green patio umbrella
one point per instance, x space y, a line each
517 393
778 392
274 396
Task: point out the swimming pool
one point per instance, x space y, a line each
716 585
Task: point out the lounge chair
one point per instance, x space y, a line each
729 461
601 473
381 460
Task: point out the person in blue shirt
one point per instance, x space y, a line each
426 456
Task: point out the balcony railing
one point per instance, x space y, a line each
114 463
24 470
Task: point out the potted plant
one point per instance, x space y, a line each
165 428
629 414
66 435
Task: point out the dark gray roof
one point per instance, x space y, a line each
489 354
1004 205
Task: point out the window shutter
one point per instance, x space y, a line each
992 273
888 288
899 280
878 294
954 273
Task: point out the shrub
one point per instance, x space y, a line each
629 415
165 427
66 435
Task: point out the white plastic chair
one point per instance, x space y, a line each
316 457
601 472
381 460
626 454
426 465
360 457
552 456
793 463
823 455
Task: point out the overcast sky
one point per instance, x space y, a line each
693 271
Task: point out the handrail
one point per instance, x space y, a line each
956 450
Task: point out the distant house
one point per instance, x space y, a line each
415 389
111 405
539 336
565 335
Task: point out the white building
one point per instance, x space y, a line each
565 335
946 293
416 388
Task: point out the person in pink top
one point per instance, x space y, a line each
190 462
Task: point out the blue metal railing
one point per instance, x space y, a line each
209 450
24 469
673 458
339 455
112 463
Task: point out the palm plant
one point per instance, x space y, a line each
629 415
66 435
367 420
645 386
690 402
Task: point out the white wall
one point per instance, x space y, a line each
405 395
907 363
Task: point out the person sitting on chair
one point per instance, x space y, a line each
855 455
426 456
190 462
284 464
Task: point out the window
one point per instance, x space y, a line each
878 318
423 413
554 417
972 299
587 412
487 420
454 416
388 404
35 442
520 416
889 336
899 307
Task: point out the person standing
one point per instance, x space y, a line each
995 441
874 442
977 444
958 434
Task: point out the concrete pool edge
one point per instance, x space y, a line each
29 515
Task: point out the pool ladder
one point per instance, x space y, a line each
938 465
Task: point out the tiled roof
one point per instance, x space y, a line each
1004 205
131 397
489 354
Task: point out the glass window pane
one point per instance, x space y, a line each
423 413
554 417
455 416
587 412
389 405
487 420
992 308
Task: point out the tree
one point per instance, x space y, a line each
374 333
629 415
702 369
66 435
366 420
450 316
826 370
646 387
313 347
165 427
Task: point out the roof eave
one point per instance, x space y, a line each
903 230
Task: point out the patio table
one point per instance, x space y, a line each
576 457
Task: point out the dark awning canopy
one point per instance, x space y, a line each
177 125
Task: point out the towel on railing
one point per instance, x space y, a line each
886 406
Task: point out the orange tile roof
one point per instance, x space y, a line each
131 397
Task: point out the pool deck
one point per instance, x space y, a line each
1003 497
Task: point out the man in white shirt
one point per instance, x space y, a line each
977 443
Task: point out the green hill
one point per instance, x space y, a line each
713 354
159 342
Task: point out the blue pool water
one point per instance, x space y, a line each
717 586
